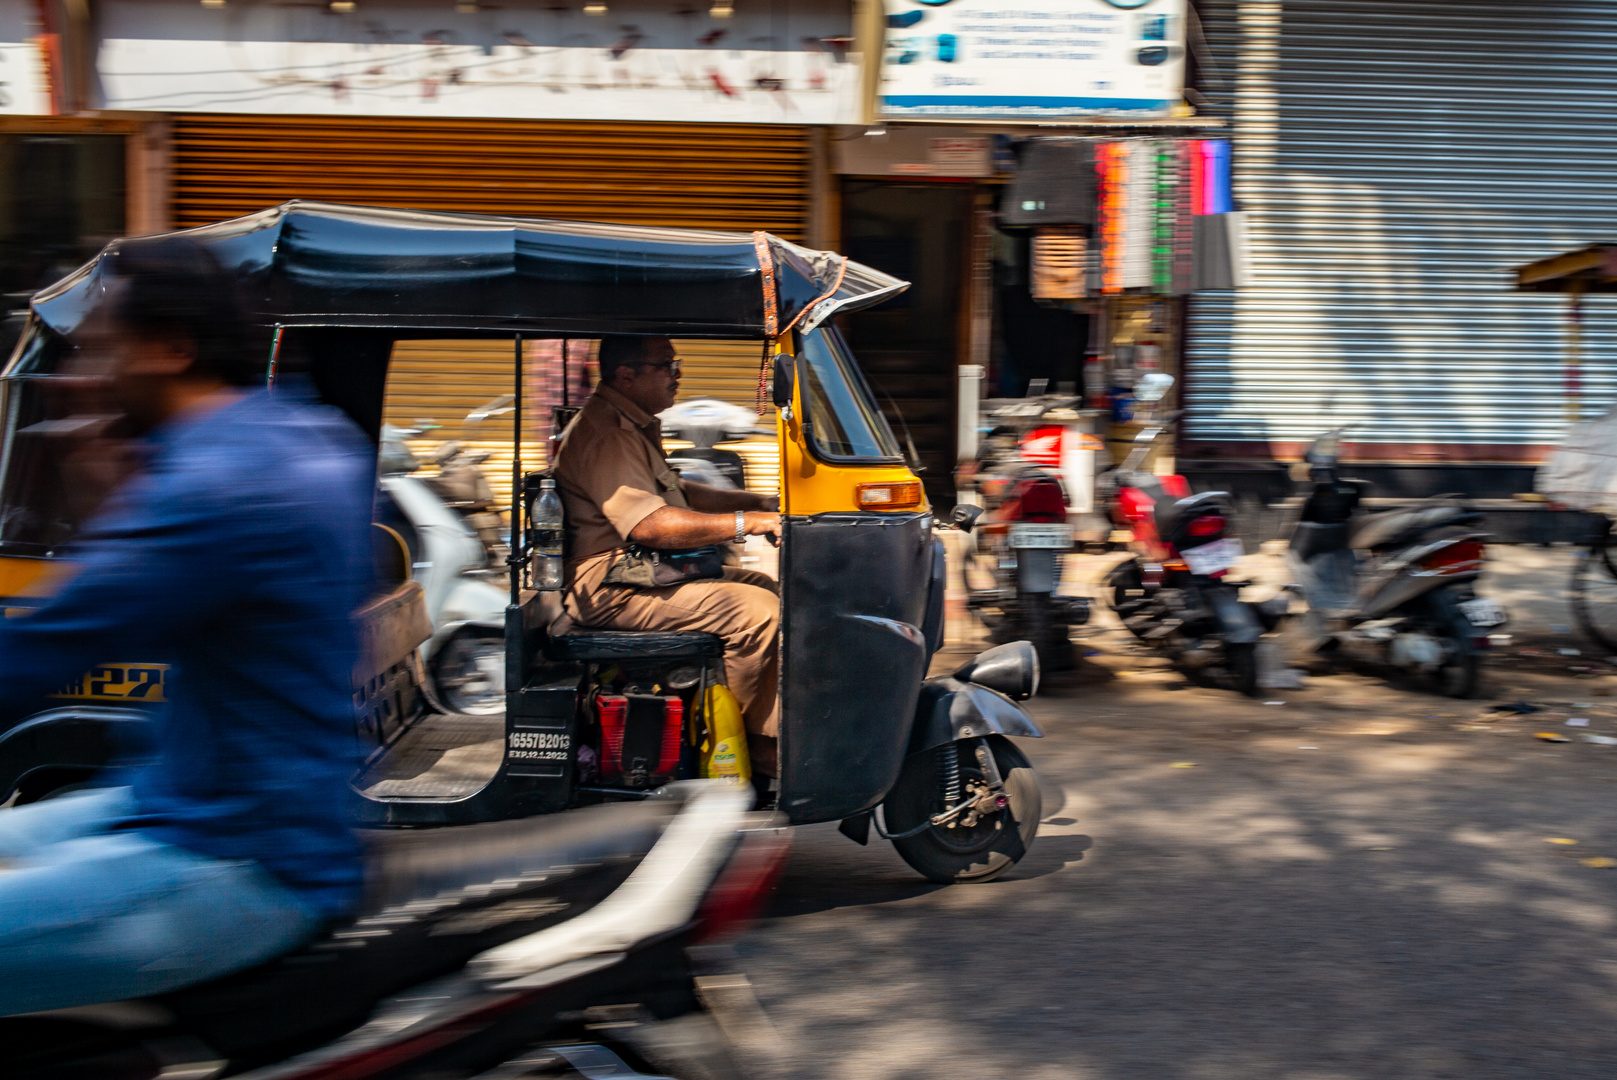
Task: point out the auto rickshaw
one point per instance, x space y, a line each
331 289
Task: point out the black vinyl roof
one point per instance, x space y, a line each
322 264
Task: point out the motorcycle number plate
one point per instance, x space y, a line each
1211 558
1483 612
1026 534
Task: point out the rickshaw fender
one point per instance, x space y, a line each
950 709
71 738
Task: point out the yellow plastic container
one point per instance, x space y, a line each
724 751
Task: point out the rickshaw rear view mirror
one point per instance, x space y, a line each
782 392
964 516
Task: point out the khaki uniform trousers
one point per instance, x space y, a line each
742 608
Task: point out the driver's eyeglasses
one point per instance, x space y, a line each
672 366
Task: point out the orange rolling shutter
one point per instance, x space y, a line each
709 176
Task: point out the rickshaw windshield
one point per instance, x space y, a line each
843 416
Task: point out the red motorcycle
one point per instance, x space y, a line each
1020 539
1176 594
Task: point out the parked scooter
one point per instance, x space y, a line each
1020 538
455 537
1400 585
1175 593
501 946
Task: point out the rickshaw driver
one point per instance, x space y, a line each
618 488
236 555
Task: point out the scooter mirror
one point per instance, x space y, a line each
1325 448
781 394
964 516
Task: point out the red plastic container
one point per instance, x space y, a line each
673 736
613 712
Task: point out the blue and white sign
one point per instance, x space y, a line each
1032 59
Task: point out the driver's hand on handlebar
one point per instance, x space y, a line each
763 523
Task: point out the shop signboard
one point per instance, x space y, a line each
607 60
1031 59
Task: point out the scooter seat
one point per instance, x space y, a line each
434 899
586 645
1388 527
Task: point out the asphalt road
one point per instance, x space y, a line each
1354 882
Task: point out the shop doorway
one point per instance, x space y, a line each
911 346
1034 342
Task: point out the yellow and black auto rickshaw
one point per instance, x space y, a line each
865 736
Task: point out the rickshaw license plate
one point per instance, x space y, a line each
1483 612
1211 558
1025 534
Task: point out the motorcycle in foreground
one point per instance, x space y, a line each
1175 593
1019 541
1398 585
509 946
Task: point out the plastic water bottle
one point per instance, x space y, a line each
547 538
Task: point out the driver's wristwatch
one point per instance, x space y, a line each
741 527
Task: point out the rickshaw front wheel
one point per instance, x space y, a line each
981 851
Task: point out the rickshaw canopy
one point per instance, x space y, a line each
323 264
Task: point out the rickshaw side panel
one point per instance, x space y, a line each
854 592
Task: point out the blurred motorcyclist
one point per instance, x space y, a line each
234 553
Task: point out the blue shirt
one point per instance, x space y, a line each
238 556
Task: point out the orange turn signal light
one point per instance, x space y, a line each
899 495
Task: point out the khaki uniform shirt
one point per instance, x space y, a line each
612 474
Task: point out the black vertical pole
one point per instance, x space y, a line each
516 481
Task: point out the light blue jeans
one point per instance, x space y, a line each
89 914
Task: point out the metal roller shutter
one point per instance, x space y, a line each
715 176
1395 159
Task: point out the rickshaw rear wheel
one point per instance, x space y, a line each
960 855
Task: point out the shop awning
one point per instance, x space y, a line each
1587 270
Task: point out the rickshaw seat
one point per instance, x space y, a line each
391 627
386 689
587 645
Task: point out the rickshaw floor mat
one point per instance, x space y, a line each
444 756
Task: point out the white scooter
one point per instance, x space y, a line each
457 551
705 422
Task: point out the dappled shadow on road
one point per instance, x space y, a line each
841 874
1229 890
